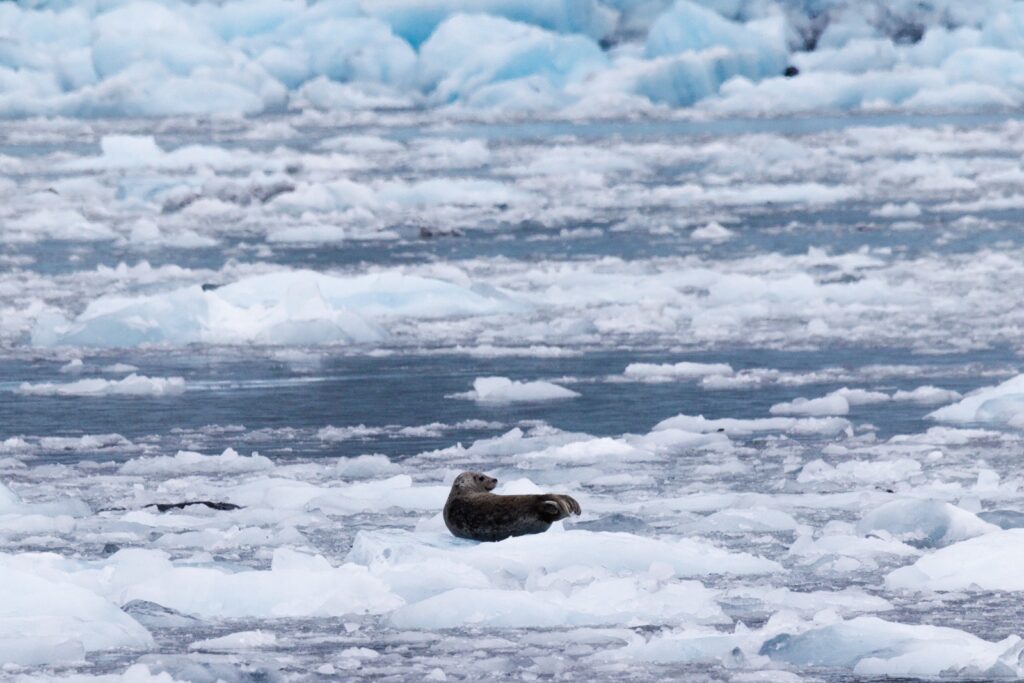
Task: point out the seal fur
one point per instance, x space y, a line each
473 512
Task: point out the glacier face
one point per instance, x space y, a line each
148 58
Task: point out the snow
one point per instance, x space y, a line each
505 390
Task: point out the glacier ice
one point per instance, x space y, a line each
147 58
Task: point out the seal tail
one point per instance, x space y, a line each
560 507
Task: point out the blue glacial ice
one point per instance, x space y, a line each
576 57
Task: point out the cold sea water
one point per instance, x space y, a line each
767 334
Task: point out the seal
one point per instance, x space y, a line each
473 512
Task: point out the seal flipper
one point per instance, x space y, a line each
558 507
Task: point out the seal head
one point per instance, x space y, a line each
473 512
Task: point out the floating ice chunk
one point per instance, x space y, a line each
119 369
1002 404
841 552
142 151
365 496
360 431
296 585
600 451
832 404
455 191
987 562
132 385
860 471
86 442
43 621
515 441
890 210
505 390
665 372
73 366
56 224
146 233
130 151
932 523
490 61
688 645
136 673
634 600
927 395
861 397
874 647
184 462
745 520
846 602
523 555
810 425
674 441
288 307
309 234
242 640
712 232
366 466
11 504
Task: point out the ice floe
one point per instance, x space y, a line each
872 646
1002 404
981 563
505 390
132 385
301 307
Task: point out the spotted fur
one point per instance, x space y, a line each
473 512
